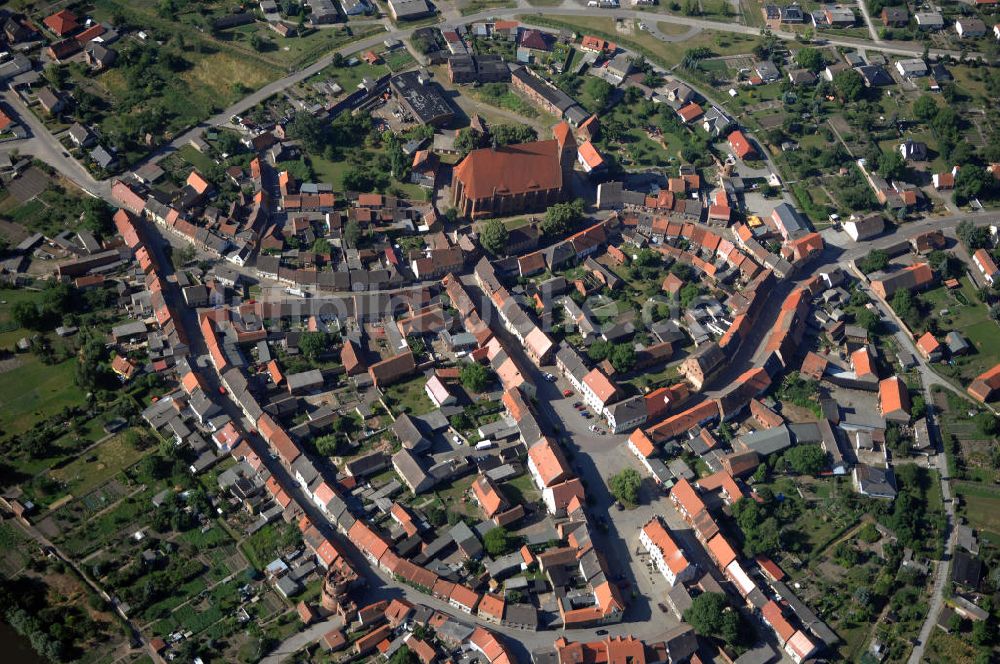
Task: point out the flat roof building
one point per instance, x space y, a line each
421 98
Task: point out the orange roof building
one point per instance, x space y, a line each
684 421
488 495
984 387
393 369
590 158
772 615
740 145
123 367
62 22
464 598
491 608
547 464
666 554
861 362
813 366
640 444
690 113
929 347
721 551
894 400
515 178
598 389
597 45
197 182
911 278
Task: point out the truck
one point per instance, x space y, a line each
484 444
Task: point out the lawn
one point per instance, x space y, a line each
522 490
508 100
34 392
202 162
410 397
981 506
967 315
86 473
475 6
350 76
950 648
333 172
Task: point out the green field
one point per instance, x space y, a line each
30 391
980 505
88 472
35 392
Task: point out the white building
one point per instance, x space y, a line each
665 554
438 393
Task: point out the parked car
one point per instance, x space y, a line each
567 393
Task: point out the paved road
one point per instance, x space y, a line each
44 146
943 566
896 48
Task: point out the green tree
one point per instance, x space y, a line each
925 108
875 260
97 217
891 165
688 293
352 233
761 532
906 307
561 217
498 542
313 344
972 236
468 140
475 377
711 616
982 633
987 423
25 314
868 320
436 515
811 59
849 85
599 91
510 134
493 237
974 181
308 129
625 487
599 350
327 445
806 459
622 357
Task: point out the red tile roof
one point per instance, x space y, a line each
741 146
511 170
62 22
